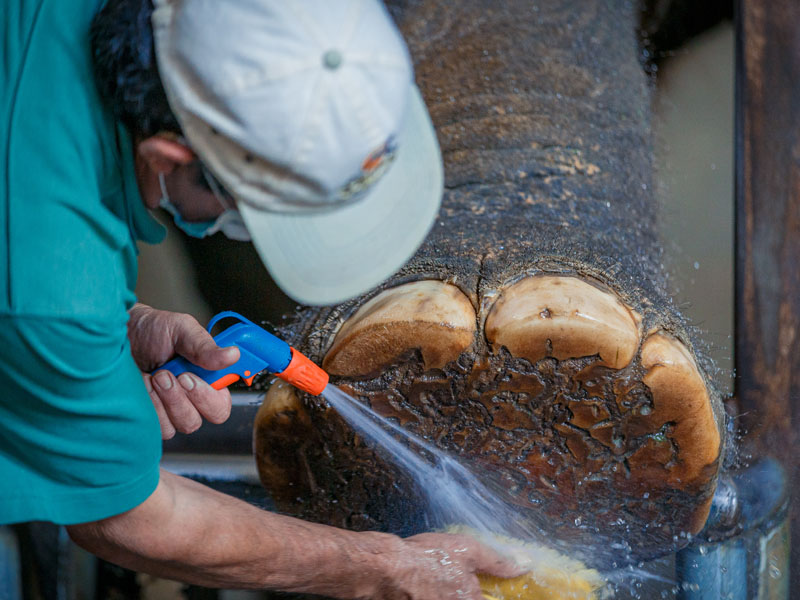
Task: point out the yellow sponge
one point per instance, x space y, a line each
552 575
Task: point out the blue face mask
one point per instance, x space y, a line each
229 222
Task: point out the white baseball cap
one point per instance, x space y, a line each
307 112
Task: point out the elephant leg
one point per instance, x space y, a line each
533 334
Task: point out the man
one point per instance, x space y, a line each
297 108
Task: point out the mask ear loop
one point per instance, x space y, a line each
162 182
230 222
212 183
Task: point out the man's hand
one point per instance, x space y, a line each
433 566
181 403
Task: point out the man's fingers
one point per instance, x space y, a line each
181 403
213 405
194 343
485 560
500 567
179 409
167 429
479 557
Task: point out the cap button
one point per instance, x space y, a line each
332 59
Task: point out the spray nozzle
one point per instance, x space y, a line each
259 351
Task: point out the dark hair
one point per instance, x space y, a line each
125 67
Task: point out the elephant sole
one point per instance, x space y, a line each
552 387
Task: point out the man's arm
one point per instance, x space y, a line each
188 532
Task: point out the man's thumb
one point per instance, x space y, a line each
199 348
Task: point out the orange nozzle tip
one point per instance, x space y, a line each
304 374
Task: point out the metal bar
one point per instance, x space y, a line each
742 554
767 155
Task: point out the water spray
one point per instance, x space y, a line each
552 576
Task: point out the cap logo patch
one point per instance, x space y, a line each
373 168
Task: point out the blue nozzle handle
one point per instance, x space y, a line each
259 351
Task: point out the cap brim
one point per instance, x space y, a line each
331 257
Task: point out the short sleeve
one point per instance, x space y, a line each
79 437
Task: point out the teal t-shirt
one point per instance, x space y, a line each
79 438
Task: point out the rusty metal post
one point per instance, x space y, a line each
767 305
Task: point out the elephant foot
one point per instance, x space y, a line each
599 427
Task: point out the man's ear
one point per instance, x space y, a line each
163 154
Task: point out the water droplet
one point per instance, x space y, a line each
645 410
578 522
774 572
696 265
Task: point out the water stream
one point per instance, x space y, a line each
454 494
